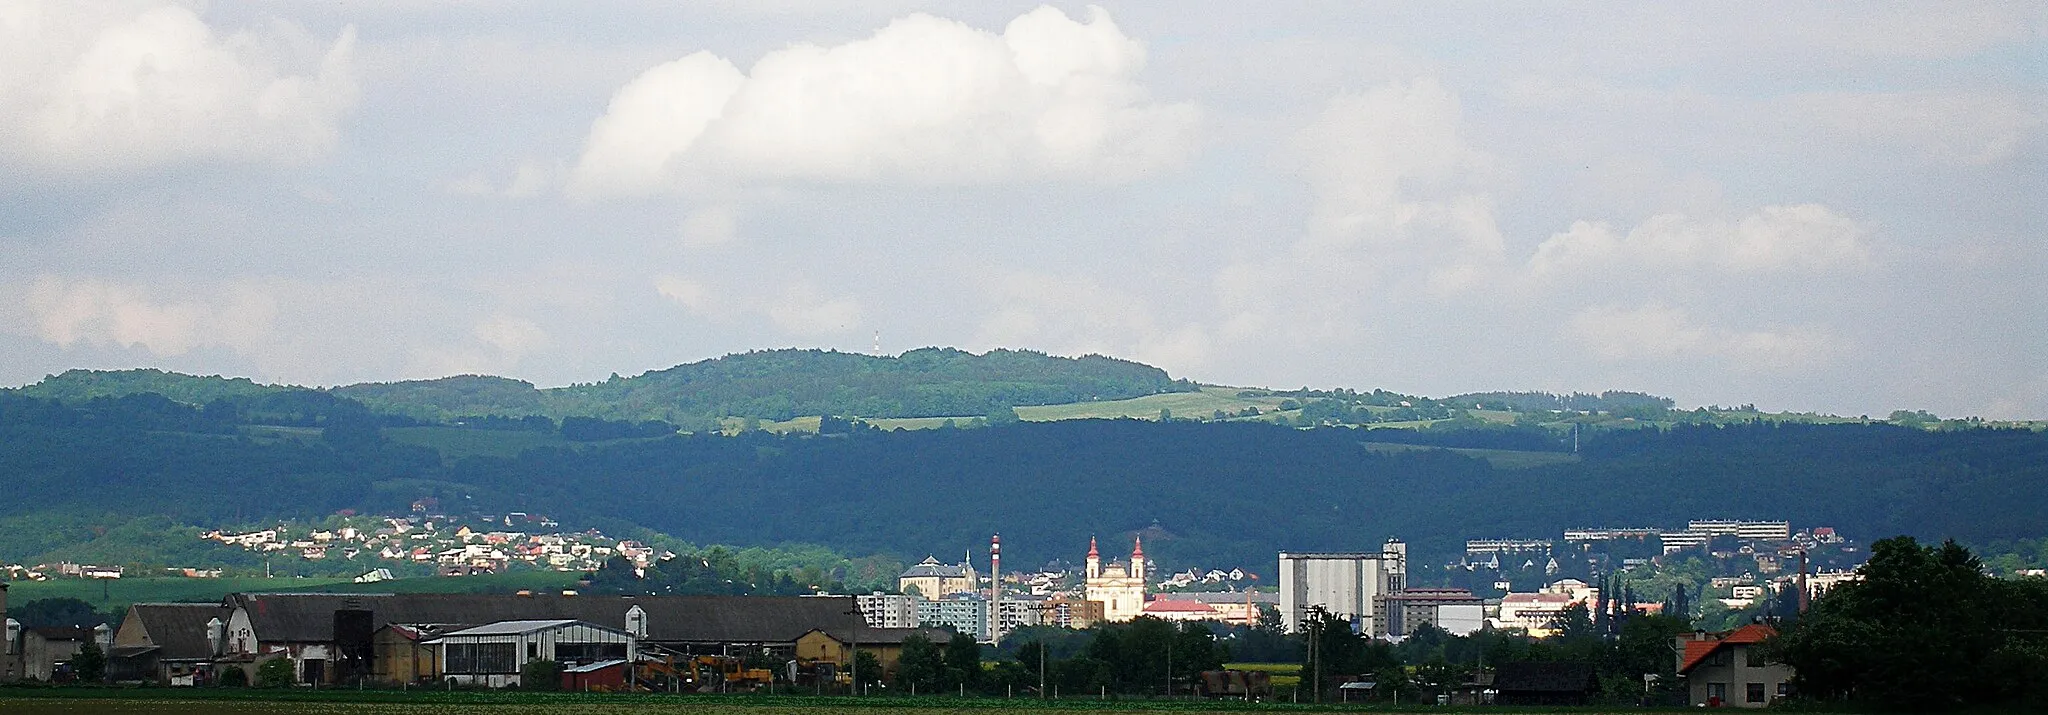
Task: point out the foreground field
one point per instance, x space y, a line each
196 702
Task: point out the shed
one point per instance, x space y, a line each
492 655
607 676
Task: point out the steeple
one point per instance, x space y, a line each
1138 559
1094 560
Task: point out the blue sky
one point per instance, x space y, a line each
1813 207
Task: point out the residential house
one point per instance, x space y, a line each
1730 669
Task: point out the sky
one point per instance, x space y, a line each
1801 206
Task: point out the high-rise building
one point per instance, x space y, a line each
1348 585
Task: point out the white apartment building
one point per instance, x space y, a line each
888 610
1346 584
1748 530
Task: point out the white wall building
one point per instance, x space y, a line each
1348 584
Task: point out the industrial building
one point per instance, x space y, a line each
1349 585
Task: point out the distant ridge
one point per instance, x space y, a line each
769 384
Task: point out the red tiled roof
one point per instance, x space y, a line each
1696 651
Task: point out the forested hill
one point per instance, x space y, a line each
1203 493
774 385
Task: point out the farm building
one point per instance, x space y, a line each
492 655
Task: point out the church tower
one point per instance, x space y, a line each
1138 559
1094 560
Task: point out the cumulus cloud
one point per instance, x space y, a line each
924 99
1076 315
1655 331
1805 237
111 85
81 311
800 308
712 226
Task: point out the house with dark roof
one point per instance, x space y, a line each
46 651
1730 668
335 637
1545 684
167 643
834 646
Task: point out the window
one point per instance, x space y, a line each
1753 657
483 658
1784 690
1721 657
1717 692
1755 694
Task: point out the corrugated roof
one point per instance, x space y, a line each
303 617
507 628
594 667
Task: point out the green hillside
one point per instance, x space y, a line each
775 385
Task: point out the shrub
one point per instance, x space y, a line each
275 673
540 674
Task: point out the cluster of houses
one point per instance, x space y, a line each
1772 545
454 549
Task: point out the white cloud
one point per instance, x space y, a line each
1074 315
1972 129
115 85
512 336
923 100
79 311
800 308
1804 237
1658 332
803 310
712 226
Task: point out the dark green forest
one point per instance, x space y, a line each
1201 493
772 384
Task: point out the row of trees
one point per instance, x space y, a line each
1145 656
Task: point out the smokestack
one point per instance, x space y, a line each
1803 593
995 589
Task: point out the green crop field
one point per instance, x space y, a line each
1183 404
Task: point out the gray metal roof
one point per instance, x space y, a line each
510 628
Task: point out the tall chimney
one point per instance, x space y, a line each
995 589
1803 593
